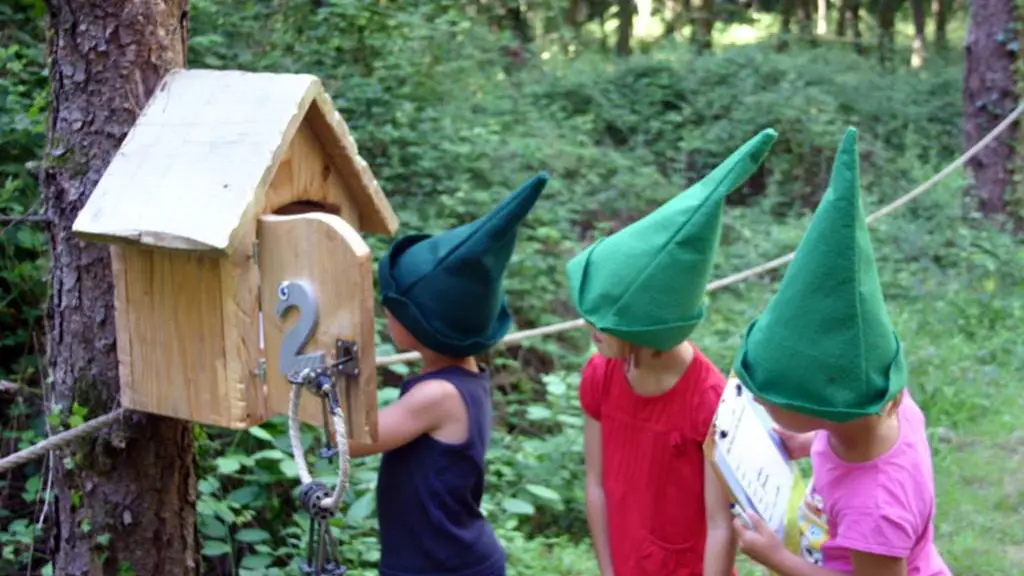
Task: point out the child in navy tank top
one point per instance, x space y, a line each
443 298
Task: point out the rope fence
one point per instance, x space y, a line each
67 437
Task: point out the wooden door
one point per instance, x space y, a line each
316 281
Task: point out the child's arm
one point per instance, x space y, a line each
720 545
765 548
424 409
597 517
864 564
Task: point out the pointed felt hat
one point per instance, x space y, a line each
825 346
446 290
645 284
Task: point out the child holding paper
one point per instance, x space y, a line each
649 395
825 362
444 299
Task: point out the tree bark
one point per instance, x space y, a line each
917 50
939 14
989 95
624 41
125 497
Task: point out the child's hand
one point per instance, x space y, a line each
758 541
798 445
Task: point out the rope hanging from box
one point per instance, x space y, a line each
320 502
67 437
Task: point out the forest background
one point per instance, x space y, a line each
453 104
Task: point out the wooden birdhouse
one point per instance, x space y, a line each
237 194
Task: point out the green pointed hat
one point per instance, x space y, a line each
825 346
446 290
645 284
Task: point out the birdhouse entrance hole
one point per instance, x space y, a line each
307 206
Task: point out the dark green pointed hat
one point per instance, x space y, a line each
645 284
446 290
825 346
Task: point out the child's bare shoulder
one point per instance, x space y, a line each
433 391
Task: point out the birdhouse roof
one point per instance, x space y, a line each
199 159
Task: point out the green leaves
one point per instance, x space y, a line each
517 506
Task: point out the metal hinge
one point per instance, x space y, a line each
261 370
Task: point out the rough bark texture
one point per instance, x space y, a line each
989 95
125 498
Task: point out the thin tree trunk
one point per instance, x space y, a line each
853 23
886 30
940 8
841 10
822 27
623 44
126 496
989 95
917 51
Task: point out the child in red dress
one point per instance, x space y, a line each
654 506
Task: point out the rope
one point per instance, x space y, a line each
58 441
767 266
69 436
340 440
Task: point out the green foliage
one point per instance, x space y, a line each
23 100
450 123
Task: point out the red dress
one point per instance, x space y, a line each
653 465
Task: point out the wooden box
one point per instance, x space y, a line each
217 160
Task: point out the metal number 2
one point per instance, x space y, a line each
298 294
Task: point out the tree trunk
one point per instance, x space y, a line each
940 8
623 44
822 27
886 31
841 9
989 95
126 496
917 51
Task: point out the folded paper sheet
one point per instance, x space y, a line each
749 457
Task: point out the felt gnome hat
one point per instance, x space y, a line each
446 290
824 346
645 284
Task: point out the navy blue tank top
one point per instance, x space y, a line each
428 494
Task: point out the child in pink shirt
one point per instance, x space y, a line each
883 506
826 363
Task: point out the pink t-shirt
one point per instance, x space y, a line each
884 507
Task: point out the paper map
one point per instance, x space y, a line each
749 456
